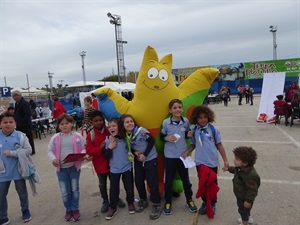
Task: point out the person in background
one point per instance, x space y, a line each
46 111
251 95
294 87
247 94
282 108
60 145
240 90
224 95
39 110
9 169
95 101
58 108
77 110
23 117
88 109
246 181
11 110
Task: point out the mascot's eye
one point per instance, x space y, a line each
163 75
152 73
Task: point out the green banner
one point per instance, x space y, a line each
255 70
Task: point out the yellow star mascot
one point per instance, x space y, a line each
155 88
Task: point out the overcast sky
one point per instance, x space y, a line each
38 36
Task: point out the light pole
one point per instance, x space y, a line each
83 54
273 29
116 20
50 76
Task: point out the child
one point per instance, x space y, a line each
207 142
246 181
61 144
141 143
282 108
87 122
175 131
9 160
95 143
117 153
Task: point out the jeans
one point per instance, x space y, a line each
21 189
68 179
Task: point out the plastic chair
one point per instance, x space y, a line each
281 111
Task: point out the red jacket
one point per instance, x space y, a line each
207 187
58 109
93 149
95 103
286 110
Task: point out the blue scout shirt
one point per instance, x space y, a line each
9 142
206 151
119 162
175 149
139 144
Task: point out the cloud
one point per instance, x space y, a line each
41 36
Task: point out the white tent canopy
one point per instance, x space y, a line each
122 87
31 91
87 83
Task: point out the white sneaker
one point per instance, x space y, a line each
250 221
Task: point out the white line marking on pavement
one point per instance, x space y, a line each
262 142
289 137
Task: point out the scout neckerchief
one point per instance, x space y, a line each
129 139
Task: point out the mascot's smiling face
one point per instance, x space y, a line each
156 75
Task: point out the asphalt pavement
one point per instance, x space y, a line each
278 200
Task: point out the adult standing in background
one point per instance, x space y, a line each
58 108
23 117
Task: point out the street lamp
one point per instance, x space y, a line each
273 29
83 54
116 20
50 76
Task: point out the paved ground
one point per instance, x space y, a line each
278 164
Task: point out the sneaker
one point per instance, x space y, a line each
214 207
5 221
111 213
76 215
156 211
26 216
121 204
142 204
131 208
167 209
202 210
105 206
68 215
191 205
250 221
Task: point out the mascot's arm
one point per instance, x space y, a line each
111 103
198 81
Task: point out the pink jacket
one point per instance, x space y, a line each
54 148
